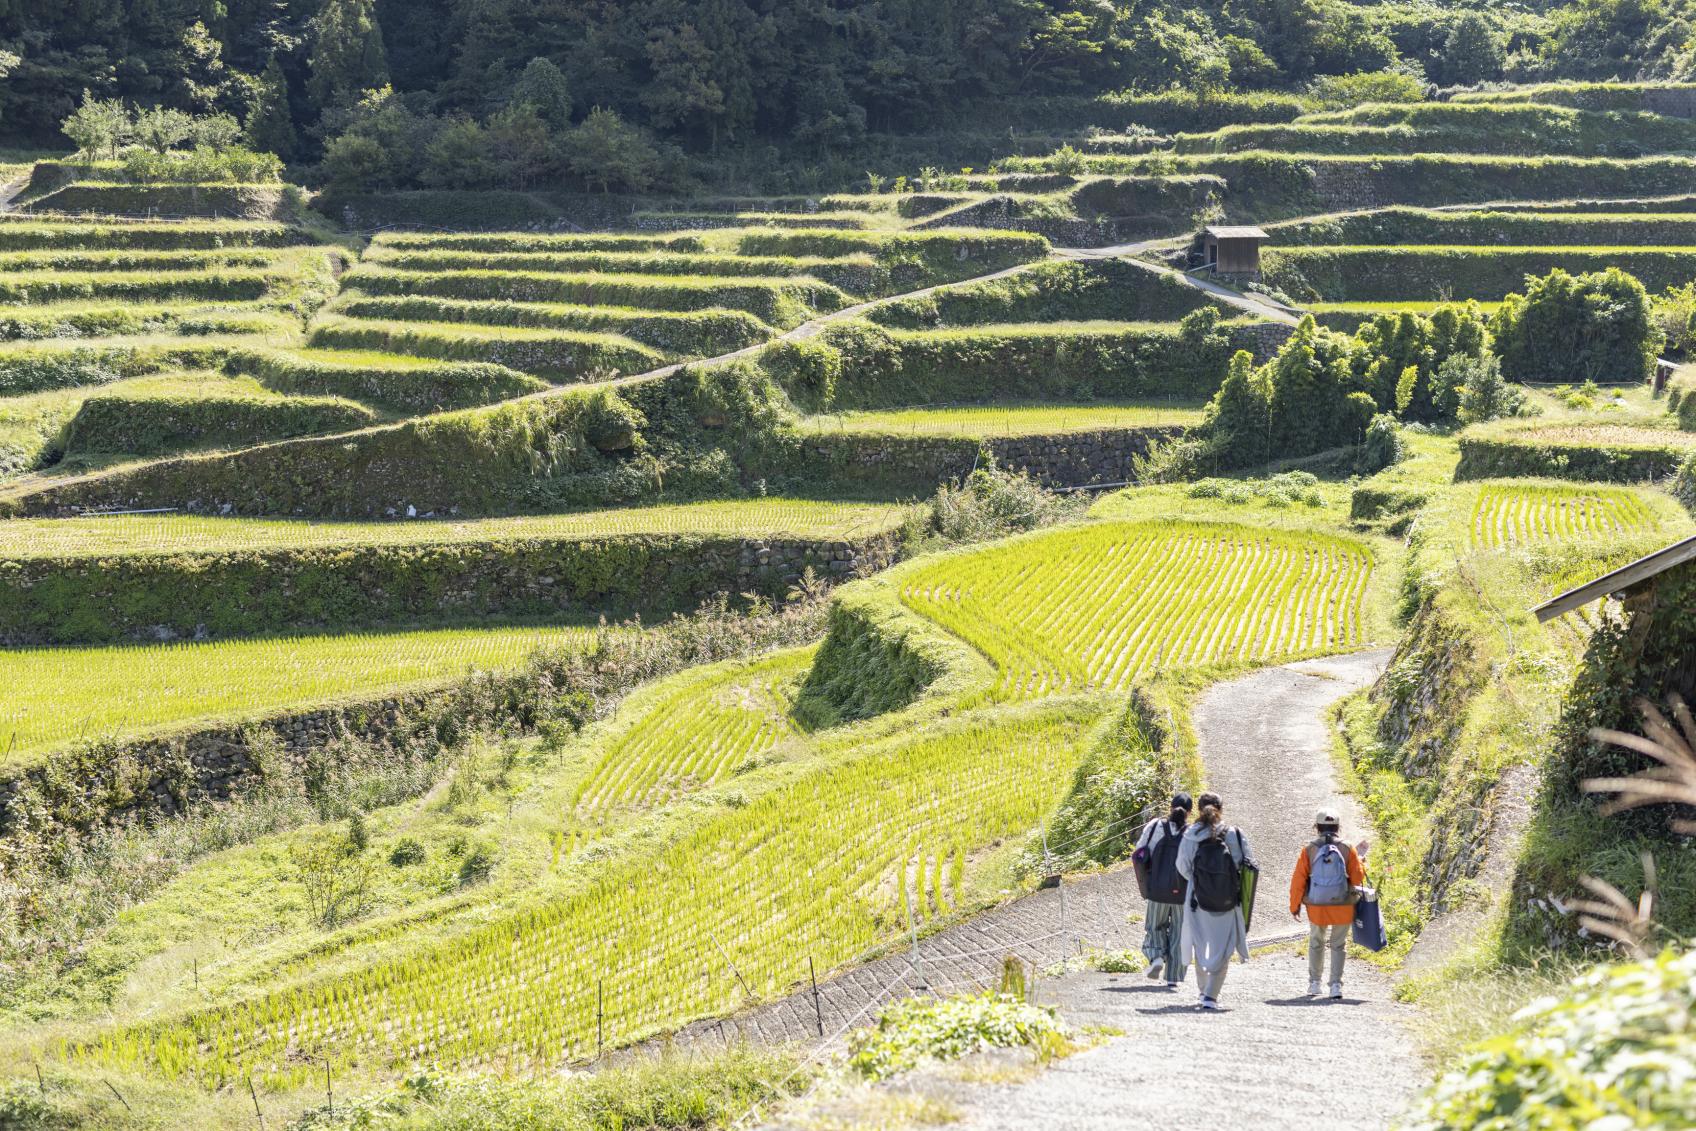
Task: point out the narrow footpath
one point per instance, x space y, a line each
1273 1059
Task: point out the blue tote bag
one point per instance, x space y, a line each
1369 922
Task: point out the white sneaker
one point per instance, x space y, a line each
1154 968
1209 1005
1336 991
1173 985
1313 989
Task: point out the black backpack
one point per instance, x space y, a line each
1165 883
1218 882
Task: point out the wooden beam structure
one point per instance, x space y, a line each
1624 578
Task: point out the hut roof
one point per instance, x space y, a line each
1234 232
1624 578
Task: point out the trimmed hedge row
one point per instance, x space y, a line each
38 368
91 600
172 259
217 286
884 369
939 247
1660 98
856 274
1383 274
703 333
1060 291
49 323
535 241
1524 129
240 202
563 355
35 234
1424 226
780 302
395 385
150 424
1569 454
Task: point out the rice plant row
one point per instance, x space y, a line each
1097 606
55 696
818 866
184 533
1511 515
701 729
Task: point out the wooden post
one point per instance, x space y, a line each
329 1096
120 1096
254 1092
600 1014
818 1010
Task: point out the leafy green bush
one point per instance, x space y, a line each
1575 328
1613 1052
1386 274
919 1029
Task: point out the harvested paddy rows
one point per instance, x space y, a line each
1098 606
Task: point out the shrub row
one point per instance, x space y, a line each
563 355
1374 274
616 263
37 368
158 423
1164 112
1424 226
218 286
703 333
944 252
880 368
190 259
388 383
1655 97
1524 129
240 202
30 234
1058 291
48 322
238 593
780 302
535 241
1598 454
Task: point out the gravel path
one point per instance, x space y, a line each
1272 1059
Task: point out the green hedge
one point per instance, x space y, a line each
1424 226
1568 454
609 263
780 302
36 368
27 324
535 241
438 209
912 259
1059 291
161 423
562 355
1655 97
882 369
1384 274
700 333
171 259
81 600
1524 129
34 234
215 285
417 387
240 202
1164 112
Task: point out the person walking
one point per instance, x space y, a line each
1212 858
1327 880
1163 918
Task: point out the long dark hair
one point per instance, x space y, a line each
1180 814
1212 811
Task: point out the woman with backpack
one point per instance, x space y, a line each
1163 892
1212 859
1327 880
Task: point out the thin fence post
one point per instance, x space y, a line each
254 1092
120 1096
600 1017
40 1080
329 1095
1059 886
818 1010
918 959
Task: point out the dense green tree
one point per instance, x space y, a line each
99 126
345 53
1472 53
543 90
270 125
1594 327
605 151
161 128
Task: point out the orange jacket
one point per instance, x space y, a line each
1325 916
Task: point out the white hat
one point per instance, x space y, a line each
1326 817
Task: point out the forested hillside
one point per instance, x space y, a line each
794 93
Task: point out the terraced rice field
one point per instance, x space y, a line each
57 695
1507 516
814 865
702 727
1097 606
973 421
183 533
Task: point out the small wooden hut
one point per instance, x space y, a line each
1232 249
